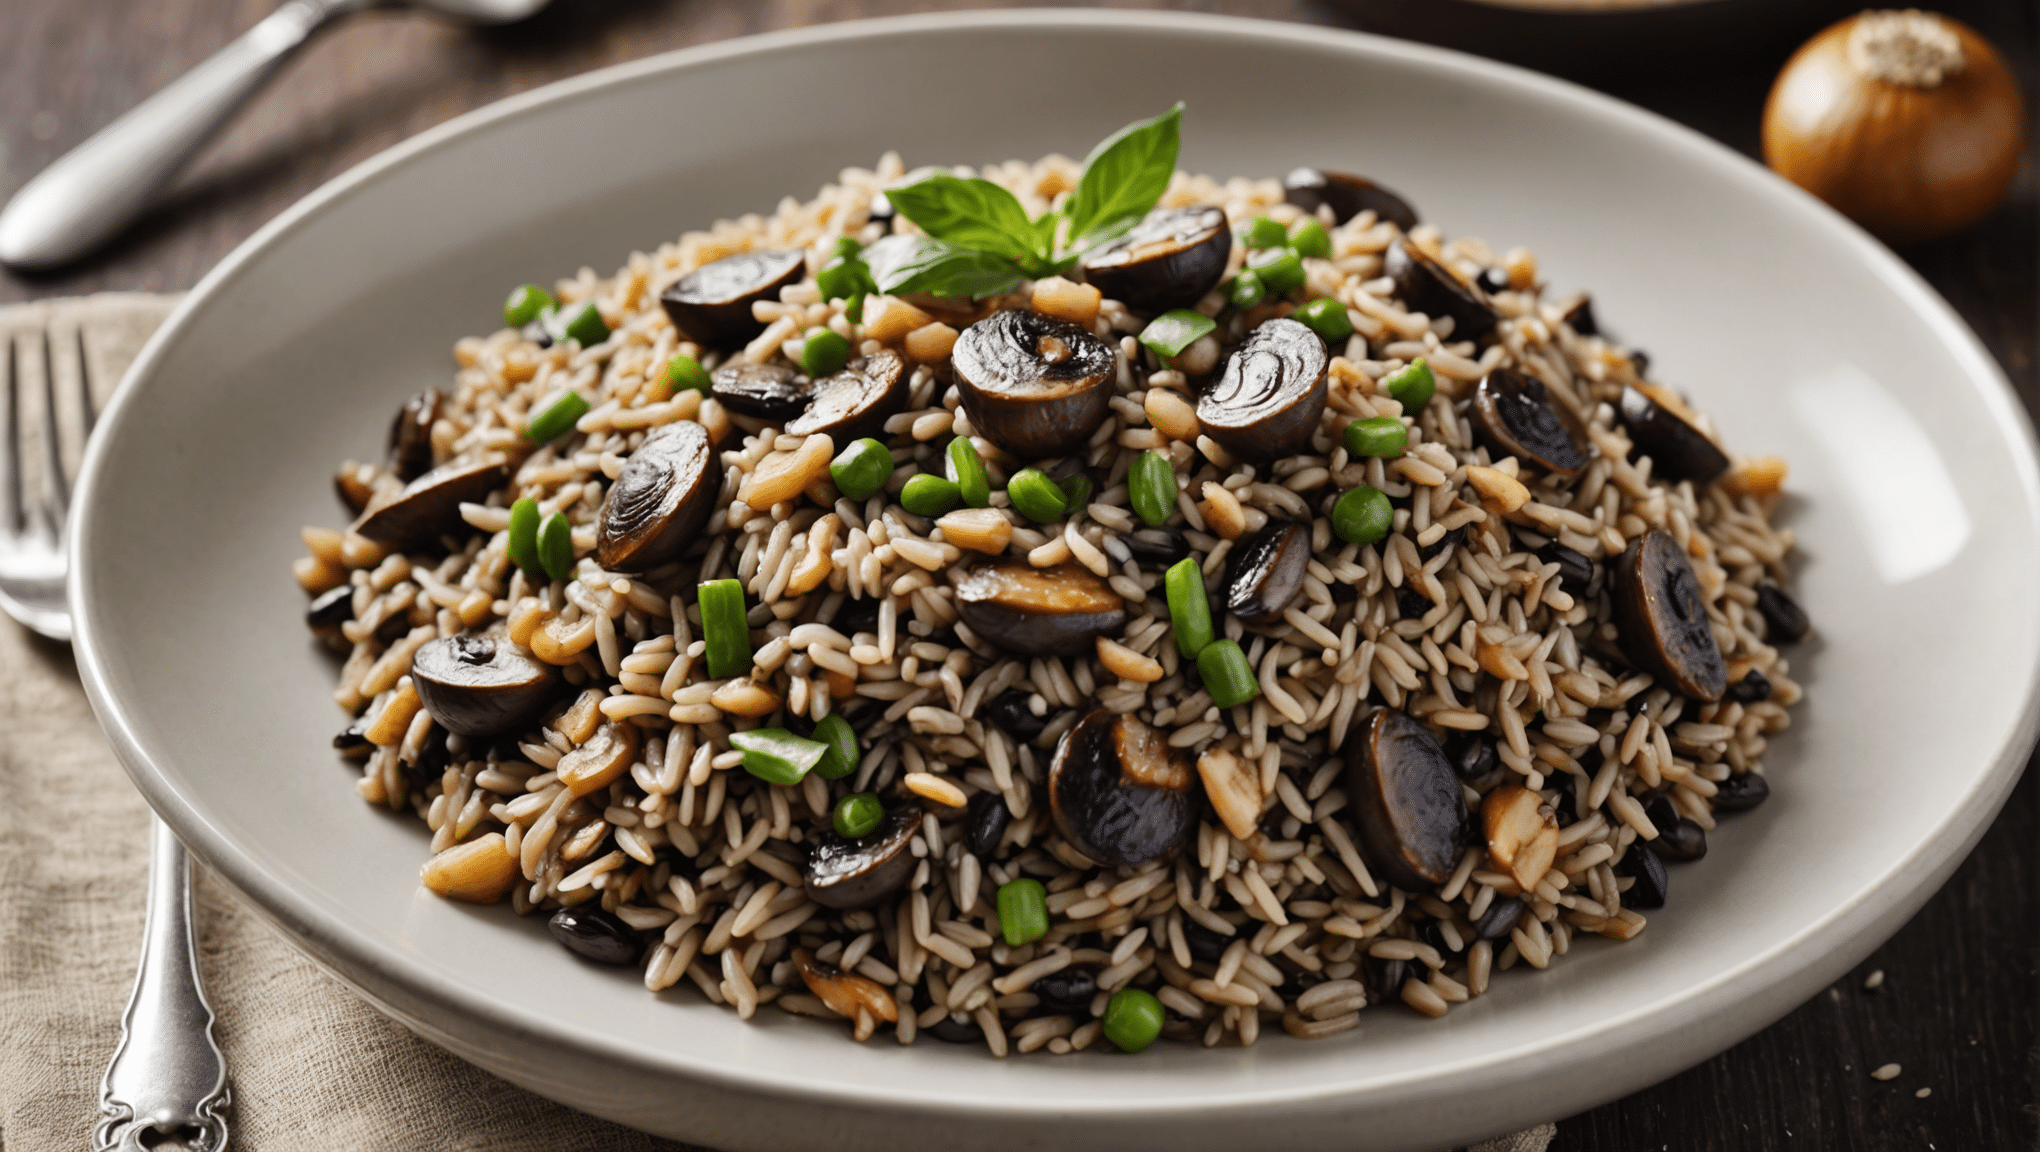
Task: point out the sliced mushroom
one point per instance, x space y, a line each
1349 195
855 402
1678 839
1430 287
411 435
429 506
1156 548
1119 793
329 610
857 998
1035 386
1663 428
1514 415
1522 833
1266 571
1169 260
1055 611
602 761
1578 577
771 392
1406 802
1661 617
660 501
1652 884
1270 394
482 685
859 873
712 304
1013 715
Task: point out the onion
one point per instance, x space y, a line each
1909 123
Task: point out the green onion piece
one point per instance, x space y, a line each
861 469
1326 317
967 468
777 756
1412 385
1247 291
927 494
1227 675
1362 516
555 419
1382 436
684 372
1077 490
1265 232
1133 1019
824 352
524 537
1151 484
556 546
525 303
835 733
1023 911
857 815
1309 238
1280 270
724 628
1035 496
581 322
1189 607
1175 330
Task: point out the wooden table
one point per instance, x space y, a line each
1958 1001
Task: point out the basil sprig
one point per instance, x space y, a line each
981 242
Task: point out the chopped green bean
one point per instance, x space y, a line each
724 628
684 372
1247 291
1265 232
1412 385
1151 486
1309 238
1077 491
1280 270
927 494
555 419
556 546
1227 676
525 303
841 740
967 468
1326 317
1383 436
1035 496
1023 911
581 322
524 538
777 756
1189 607
1175 330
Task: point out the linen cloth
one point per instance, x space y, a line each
312 1066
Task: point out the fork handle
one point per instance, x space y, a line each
168 1073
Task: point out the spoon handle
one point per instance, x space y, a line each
97 187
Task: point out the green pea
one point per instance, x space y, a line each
1227 676
1133 1019
556 419
1280 270
524 537
835 733
1326 317
1383 436
967 469
1175 330
927 494
1023 911
1189 607
1265 232
1077 490
1035 496
1151 484
556 546
525 303
581 322
724 628
856 815
777 756
1412 385
684 372
1247 291
824 352
861 469
1362 516
1309 238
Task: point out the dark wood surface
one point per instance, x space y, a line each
1960 995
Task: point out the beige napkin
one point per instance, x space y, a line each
312 1066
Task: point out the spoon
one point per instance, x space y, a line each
95 189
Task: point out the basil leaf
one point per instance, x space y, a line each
1125 175
971 212
901 265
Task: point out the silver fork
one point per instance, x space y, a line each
167 1078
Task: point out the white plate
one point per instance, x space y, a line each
1914 501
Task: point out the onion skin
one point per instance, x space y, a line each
1909 164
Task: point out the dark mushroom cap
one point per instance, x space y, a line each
712 304
482 685
1119 793
1270 395
771 392
1514 415
1169 260
1265 574
1012 714
411 435
1661 617
1741 792
1660 428
1652 884
1156 548
858 873
1580 317
660 501
1035 386
855 402
1038 611
1406 801
429 506
1430 287
1349 195
1785 622
600 936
